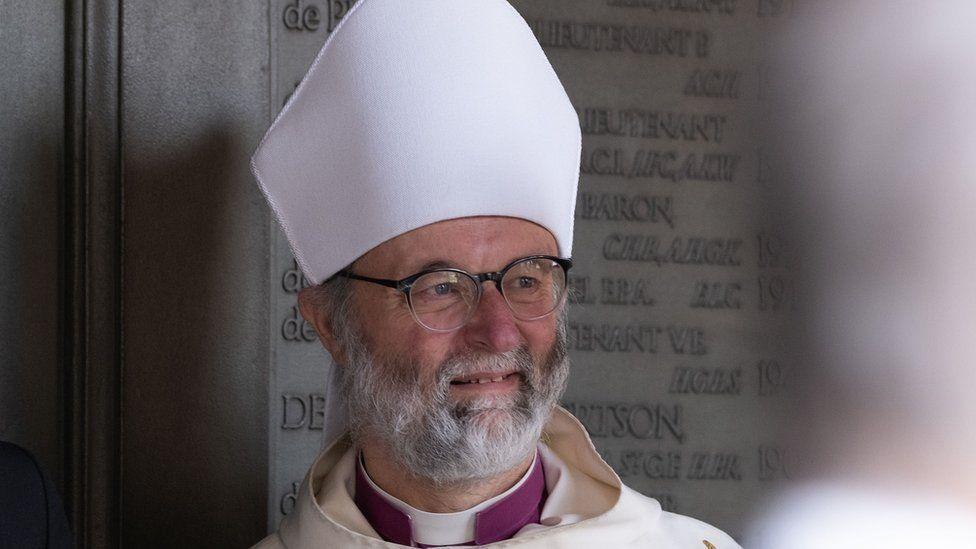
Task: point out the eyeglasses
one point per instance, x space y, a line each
443 300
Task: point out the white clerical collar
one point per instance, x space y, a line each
443 528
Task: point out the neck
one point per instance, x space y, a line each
432 497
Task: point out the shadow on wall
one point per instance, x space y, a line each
196 337
31 157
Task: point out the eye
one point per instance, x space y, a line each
444 288
526 282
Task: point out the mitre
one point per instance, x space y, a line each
416 112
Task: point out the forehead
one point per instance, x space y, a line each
470 243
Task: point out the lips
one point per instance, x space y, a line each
482 377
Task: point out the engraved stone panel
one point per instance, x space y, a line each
680 286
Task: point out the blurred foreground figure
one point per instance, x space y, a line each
876 123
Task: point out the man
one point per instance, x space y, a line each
425 174
876 131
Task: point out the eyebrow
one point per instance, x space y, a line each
436 264
444 264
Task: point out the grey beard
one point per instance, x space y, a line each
448 443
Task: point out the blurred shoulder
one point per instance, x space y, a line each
681 531
690 532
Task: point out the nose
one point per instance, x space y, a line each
492 327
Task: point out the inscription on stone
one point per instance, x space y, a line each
773 464
714 83
639 208
296 328
660 165
647 124
706 381
716 295
303 411
623 420
301 17
718 7
692 250
611 291
608 37
636 338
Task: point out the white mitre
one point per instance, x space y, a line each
416 112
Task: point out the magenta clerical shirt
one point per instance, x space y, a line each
500 521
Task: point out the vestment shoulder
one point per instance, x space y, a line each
680 531
270 542
690 532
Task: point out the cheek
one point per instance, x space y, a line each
411 344
540 335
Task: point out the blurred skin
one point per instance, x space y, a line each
884 194
875 128
476 245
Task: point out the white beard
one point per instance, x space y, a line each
452 443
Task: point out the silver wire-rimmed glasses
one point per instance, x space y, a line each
444 299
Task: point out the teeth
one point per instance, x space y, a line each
485 380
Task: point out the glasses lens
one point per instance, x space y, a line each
534 287
443 300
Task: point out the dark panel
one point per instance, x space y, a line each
196 231
31 154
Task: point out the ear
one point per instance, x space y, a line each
318 316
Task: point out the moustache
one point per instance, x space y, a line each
463 368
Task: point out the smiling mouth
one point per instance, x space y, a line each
477 379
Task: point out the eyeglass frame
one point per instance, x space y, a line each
405 284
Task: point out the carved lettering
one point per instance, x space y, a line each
580 291
606 37
300 17
773 464
720 252
289 500
672 126
714 466
674 167
610 338
622 207
612 291
716 295
293 281
718 7
316 412
660 165
336 10
621 420
296 328
715 84
293 411
706 381
773 378
687 341
624 291
776 293
653 464
603 161
773 252
297 410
